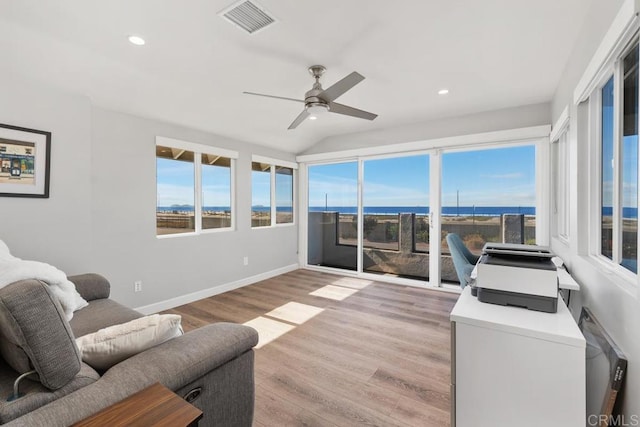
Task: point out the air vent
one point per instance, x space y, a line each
248 15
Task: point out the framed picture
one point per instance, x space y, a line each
24 162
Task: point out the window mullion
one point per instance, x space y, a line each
638 182
435 218
294 189
559 188
197 163
566 184
597 203
232 197
360 214
617 162
273 195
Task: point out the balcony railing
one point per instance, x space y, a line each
399 244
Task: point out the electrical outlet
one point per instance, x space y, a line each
137 286
245 260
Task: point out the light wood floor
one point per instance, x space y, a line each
338 351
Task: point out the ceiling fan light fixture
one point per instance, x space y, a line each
316 109
136 40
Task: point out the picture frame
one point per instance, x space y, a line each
25 158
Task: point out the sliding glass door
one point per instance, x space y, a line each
395 200
333 215
391 215
487 196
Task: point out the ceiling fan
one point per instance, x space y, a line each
319 101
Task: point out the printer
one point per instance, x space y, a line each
518 275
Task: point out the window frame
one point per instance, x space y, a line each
537 136
198 150
620 36
274 196
273 164
613 69
561 178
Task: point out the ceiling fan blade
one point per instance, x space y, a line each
272 96
301 117
333 92
334 107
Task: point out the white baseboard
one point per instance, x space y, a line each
206 293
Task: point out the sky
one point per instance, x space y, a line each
176 185
261 189
176 181
493 177
629 155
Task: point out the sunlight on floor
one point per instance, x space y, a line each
283 319
268 329
337 293
349 282
295 312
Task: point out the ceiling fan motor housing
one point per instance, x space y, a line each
313 103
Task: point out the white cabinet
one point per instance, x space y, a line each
515 367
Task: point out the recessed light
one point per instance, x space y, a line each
312 117
443 91
138 41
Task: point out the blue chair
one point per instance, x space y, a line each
463 259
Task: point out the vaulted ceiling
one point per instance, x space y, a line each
194 67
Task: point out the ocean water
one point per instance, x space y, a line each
424 210
381 210
628 213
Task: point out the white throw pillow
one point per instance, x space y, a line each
112 345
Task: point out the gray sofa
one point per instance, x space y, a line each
34 335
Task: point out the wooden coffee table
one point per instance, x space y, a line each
154 406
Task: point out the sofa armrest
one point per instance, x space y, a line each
183 359
91 286
175 363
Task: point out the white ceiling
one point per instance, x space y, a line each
490 54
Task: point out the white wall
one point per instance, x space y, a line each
100 216
123 166
508 118
56 230
616 306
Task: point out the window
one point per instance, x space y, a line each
488 195
194 187
618 149
271 192
175 190
389 214
332 217
260 194
560 177
284 195
216 191
629 162
606 185
395 195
